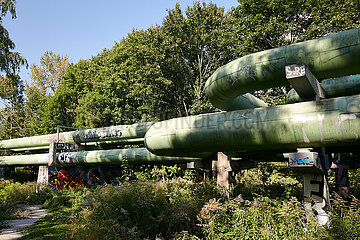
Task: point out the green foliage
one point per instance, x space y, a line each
64 207
47 76
16 192
43 109
345 217
7 210
10 61
183 209
12 115
152 74
21 174
265 24
167 208
270 181
196 45
160 173
65 199
268 219
11 87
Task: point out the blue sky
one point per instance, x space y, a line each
83 28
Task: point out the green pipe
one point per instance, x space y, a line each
101 143
259 156
329 122
35 159
114 156
122 142
327 57
44 148
36 141
122 134
333 87
115 133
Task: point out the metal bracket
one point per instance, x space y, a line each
304 82
305 162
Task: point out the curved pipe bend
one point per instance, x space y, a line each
330 56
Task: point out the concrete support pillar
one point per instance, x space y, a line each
52 154
315 185
43 178
43 173
316 196
223 168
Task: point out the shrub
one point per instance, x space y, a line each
16 192
272 180
7 210
143 210
257 220
345 218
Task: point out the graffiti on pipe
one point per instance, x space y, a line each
93 135
67 157
66 147
62 138
320 117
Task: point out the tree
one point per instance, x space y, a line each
265 24
40 93
195 45
10 61
47 76
119 86
12 115
11 87
152 74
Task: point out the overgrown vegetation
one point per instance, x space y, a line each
265 203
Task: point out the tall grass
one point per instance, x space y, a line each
143 210
265 203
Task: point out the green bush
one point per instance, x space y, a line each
265 203
7 210
271 180
345 218
143 210
39 197
16 192
257 220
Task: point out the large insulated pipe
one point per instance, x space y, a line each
327 57
115 156
329 122
121 134
36 159
333 87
